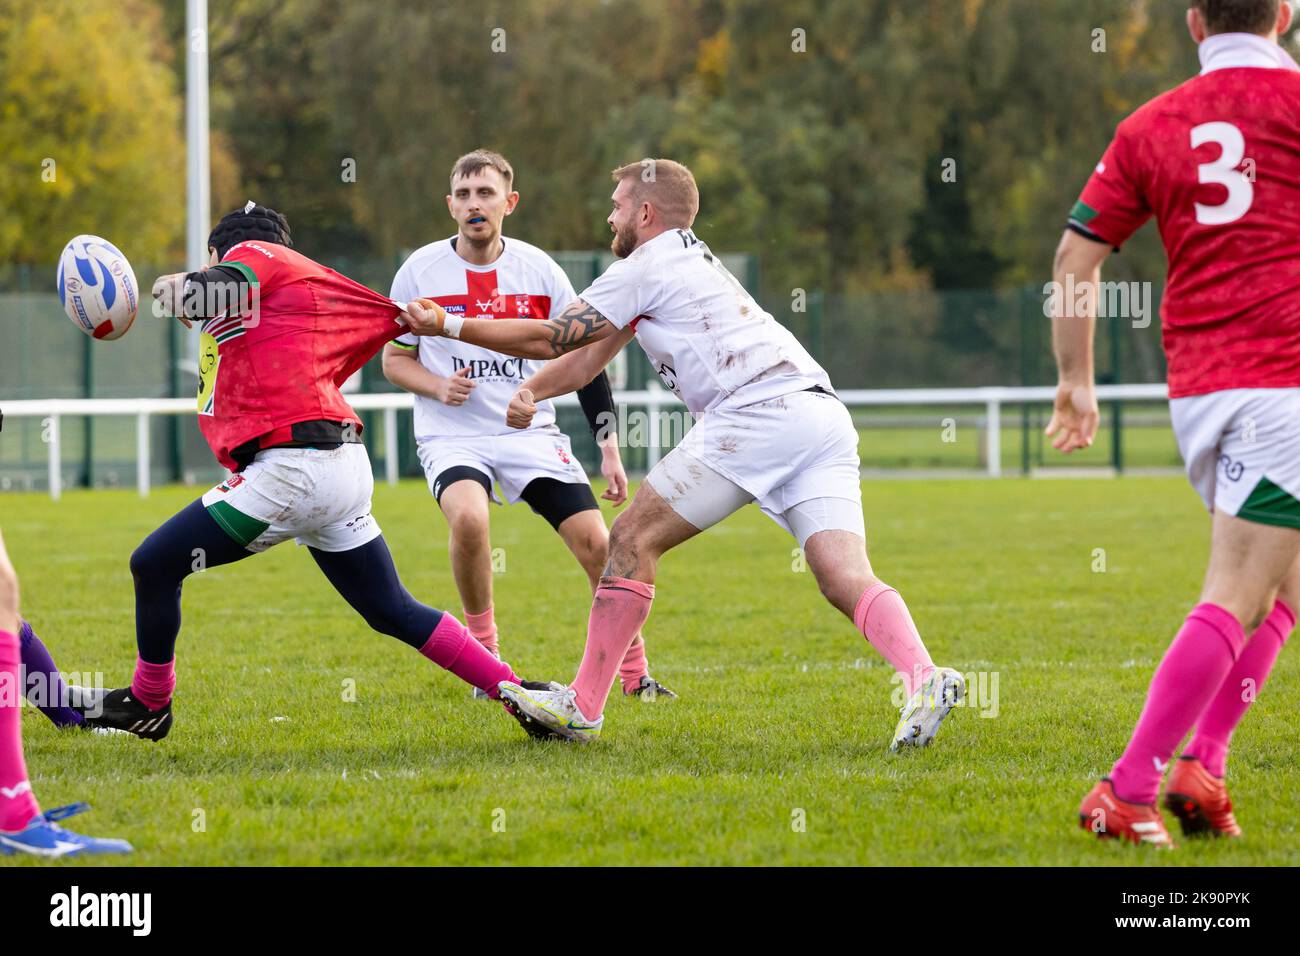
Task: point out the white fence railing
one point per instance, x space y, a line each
653 400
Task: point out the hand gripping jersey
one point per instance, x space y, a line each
705 335
523 283
272 377
1217 162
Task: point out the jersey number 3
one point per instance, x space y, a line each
1224 171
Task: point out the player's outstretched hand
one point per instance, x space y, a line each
522 408
169 295
1074 417
425 317
611 466
455 388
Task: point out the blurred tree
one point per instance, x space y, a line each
855 145
90 127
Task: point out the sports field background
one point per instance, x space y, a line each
785 712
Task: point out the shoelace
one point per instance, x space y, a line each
62 813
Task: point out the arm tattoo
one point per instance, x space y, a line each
575 327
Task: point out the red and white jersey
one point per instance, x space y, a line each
523 283
1217 162
262 375
704 334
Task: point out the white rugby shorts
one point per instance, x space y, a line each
1241 448
319 497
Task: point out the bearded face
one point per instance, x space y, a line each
624 239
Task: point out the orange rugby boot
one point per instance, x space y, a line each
1200 800
1110 817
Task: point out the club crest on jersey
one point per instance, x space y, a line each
231 483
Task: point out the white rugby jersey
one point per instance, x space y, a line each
523 283
705 335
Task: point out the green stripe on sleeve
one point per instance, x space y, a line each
1082 213
243 528
403 345
245 270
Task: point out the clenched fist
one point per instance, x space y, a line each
426 317
522 408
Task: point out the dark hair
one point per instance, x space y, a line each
471 163
1239 16
250 222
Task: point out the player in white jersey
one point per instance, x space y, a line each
462 392
769 429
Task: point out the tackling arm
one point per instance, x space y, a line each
568 373
1077 267
576 326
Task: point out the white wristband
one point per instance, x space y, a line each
452 324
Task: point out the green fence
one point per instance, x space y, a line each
885 340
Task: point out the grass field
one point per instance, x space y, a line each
784 718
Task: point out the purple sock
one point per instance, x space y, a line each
49 694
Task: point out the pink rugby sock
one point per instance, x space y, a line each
634 666
484 630
17 805
885 622
1189 676
1241 686
153 684
618 613
451 647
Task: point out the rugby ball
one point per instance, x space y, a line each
97 287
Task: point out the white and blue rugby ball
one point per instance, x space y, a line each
97 287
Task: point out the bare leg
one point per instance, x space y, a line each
465 505
838 560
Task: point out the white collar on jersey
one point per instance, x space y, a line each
1225 51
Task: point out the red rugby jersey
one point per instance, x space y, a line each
1217 162
283 364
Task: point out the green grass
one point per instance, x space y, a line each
784 707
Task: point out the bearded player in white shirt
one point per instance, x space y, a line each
462 392
770 429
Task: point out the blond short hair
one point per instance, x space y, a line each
666 185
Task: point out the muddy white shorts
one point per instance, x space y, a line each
797 456
1242 451
512 460
319 497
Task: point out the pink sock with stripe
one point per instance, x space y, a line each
484 629
1241 686
153 684
452 648
1187 680
885 622
17 805
618 613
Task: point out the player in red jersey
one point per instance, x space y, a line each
1217 162
280 334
